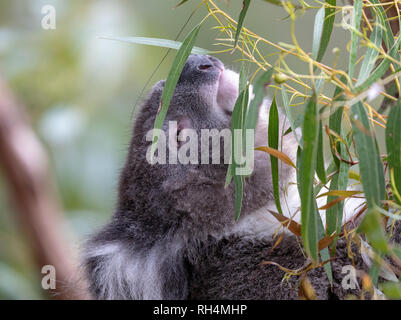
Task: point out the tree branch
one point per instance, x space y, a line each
33 194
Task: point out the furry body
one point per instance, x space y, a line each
173 234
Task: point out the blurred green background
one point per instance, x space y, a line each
79 93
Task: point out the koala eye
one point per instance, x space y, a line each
205 66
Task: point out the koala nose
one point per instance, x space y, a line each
207 62
217 63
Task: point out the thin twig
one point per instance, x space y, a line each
32 192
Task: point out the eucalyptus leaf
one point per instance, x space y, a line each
157 42
393 143
245 6
310 133
259 94
370 164
321 173
288 113
339 181
172 80
323 28
273 137
380 69
356 21
371 54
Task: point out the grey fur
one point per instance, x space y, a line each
173 235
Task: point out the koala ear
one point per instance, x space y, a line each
157 90
159 85
154 98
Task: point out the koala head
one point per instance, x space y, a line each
191 194
203 98
217 85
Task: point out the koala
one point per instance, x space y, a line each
173 234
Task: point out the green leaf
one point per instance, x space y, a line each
321 173
299 160
372 177
393 143
381 14
273 136
243 78
237 123
288 112
371 54
380 69
370 164
391 289
239 192
172 80
324 21
245 6
317 32
388 34
237 118
356 21
259 94
324 253
310 133
334 214
157 42
242 86
229 175
372 226
335 119
319 83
